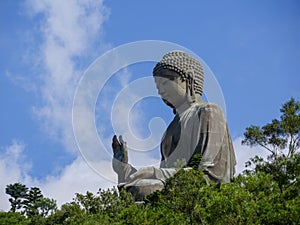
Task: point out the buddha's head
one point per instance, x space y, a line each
178 78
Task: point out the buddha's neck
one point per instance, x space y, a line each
180 108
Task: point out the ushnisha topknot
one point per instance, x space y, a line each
188 68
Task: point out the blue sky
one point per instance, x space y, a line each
252 47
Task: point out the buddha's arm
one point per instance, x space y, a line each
214 143
212 131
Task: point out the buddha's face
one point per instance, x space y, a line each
171 88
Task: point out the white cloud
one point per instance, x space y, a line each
69 31
77 177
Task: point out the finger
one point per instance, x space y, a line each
125 160
121 140
115 141
115 144
124 148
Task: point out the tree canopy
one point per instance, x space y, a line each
281 137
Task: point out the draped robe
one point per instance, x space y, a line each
201 129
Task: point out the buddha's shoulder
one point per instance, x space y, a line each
208 108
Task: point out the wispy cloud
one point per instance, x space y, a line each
66 38
69 31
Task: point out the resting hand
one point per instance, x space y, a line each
143 173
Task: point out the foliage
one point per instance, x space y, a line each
280 137
7 218
29 202
284 170
252 198
17 192
195 161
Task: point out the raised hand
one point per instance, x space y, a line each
120 160
120 149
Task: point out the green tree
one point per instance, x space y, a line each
181 195
280 137
17 191
13 218
253 198
30 202
36 204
